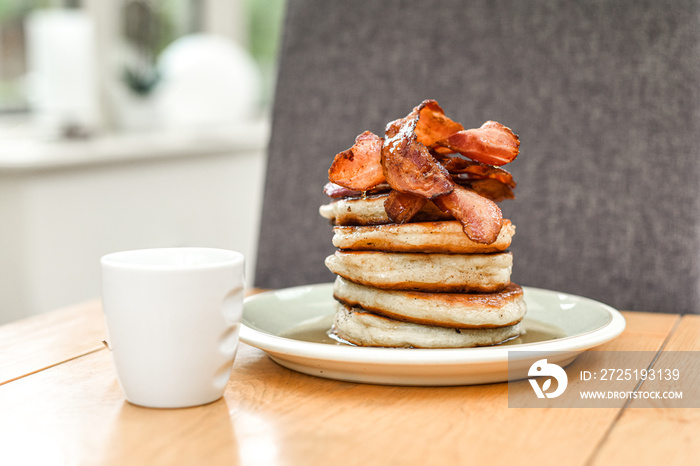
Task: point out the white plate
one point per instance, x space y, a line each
272 322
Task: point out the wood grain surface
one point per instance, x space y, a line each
39 342
73 412
654 435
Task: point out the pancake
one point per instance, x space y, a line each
441 237
452 310
370 211
362 328
439 273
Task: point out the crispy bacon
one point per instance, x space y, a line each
402 207
416 158
490 189
493 143
408 165
359 168
393 127
458 165
481 218
434 126
336 191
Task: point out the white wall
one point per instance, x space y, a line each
59 215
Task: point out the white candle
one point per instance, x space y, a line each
61 63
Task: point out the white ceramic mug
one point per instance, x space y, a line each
173 317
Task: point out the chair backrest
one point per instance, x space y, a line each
604 95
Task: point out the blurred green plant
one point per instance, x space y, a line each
13 96
17 9
265 19
141 81
147 28
264 26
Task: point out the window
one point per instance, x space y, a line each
13 94
143 28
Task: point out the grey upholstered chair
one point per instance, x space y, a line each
605 96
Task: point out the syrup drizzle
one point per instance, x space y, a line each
319 330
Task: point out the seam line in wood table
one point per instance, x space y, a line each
80 355
634 390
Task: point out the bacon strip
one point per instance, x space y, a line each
402 207
493 143
359 168
456 164
490 189
481 218
336 191
403 159
434 126
408 166
410 169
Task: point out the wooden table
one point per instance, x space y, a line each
60 403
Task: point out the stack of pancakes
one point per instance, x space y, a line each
423 284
